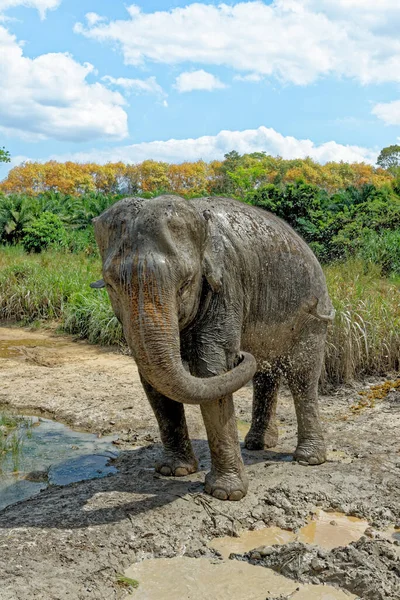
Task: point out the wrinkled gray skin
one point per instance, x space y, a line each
199 285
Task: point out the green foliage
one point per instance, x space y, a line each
80 210
47 230
90 316
16 212
81 240
382 249
4 155
20 213
54 286
365 336
335 226
127 582
299 204
389 158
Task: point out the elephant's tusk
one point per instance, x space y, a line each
98 284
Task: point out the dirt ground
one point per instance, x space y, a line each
71 542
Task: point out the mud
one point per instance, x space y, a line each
368 568
194 579
71 542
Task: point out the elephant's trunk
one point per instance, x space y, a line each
153 336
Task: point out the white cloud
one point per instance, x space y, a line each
388 112
93 18
149 86
49 97
296 41
214 147
251 77
198 80
41 5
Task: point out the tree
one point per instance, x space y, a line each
389 158
16 212
4 155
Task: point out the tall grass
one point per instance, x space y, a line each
13 431
54 286
365 336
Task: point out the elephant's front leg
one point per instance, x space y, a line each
227 479
178 458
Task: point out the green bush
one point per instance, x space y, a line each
16 213
43 232
382 249
81 240
337 226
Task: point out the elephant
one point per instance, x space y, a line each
212 293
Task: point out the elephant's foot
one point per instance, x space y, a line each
226 487
255 440
176 465
311 451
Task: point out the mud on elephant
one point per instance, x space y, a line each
211 293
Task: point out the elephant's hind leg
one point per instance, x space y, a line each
178 458
303 372
263 432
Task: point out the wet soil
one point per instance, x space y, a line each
200 579
71 542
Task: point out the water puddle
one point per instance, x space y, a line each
325 529
200 578
37 452
248 540
330 530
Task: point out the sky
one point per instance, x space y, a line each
102 80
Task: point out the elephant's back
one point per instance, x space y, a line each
279 273
255 228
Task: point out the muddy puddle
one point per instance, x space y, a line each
326 529
37 453
200 578
196 579
23 347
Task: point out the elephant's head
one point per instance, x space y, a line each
156 254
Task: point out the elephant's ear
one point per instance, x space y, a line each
212 258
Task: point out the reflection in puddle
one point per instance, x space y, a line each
199 579
50 453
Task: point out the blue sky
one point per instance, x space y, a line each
174 80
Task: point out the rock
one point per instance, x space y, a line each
317 564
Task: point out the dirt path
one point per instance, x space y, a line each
70 542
